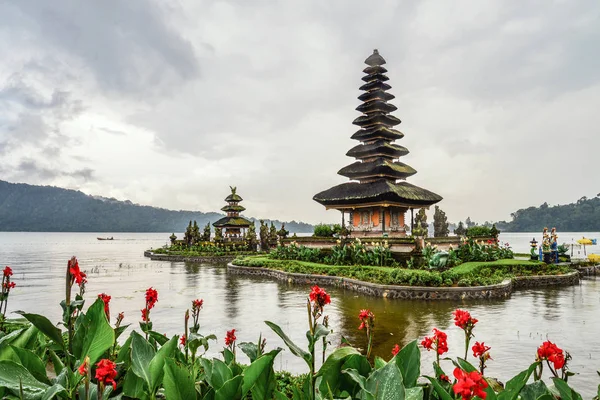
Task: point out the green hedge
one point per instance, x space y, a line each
467 274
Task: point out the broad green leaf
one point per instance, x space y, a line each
379 362
249 349
514 386
259 377
360 380
297 351
8 339
566 392
386 383
221 373
25 339
331 370
414 393
54 391
178 383
321 331
119 331
45 326
32 363
231 389
124 352
409 362
534 390
358 363
99 335
13 375
159 337
158 362
141 355
134 386
444 395
228 356
56 362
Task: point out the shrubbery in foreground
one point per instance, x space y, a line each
41 361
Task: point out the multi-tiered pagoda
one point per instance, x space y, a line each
377 197
234 224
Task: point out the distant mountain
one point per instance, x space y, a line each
581 216
32 208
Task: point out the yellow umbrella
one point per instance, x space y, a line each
594 257
584 241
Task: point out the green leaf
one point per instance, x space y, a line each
358 363
13 375
24 339
141 355
386 383
409 362
534 390
566 393
134 386
231 389
321 331
414 393
56 362
379 362
119 331
249 349
45 326
178 383
54 391
259 377
331 370
124 352
360 380
32 363
444 395
297 351
158 362
159 337
514 386
221 373
228 356
99 336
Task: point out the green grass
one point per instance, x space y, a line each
467 274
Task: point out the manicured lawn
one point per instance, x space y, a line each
473 266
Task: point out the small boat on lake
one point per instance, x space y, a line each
110 238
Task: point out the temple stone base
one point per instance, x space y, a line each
379 234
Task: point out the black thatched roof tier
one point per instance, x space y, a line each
373 77
232 208
375 59
233 197
232 222
376 69
366 121
380 148
375 85
380 191
380 167
376 95
377 132
376 106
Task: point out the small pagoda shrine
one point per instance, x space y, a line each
377 196
235 225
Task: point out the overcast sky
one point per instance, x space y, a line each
169 103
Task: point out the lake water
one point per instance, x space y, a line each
514 327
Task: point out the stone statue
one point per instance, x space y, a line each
439 260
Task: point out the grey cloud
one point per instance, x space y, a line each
31 169
128 45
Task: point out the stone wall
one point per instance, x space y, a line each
197 259
589 271
499 291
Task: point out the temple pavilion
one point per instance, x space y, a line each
377 197
233 224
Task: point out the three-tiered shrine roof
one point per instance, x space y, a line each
233 210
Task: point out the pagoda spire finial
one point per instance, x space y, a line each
233 189
375 59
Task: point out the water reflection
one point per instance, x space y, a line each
513 327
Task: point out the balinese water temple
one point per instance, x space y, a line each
233 224
377 197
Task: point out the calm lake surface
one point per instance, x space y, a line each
514 328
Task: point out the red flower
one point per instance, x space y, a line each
230 337
551 352
480 349
183 340
437 342
145 314
151 298
106 372
319 296
76 274
106 299
9 285
7 271
197 304
463 319
396 350
469 384
366 319
84 367
444 378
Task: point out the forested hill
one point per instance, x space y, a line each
582 216
50 209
